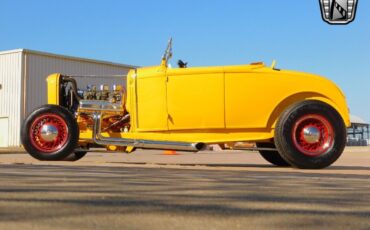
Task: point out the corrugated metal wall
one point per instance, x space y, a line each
23 83
10 95
38 67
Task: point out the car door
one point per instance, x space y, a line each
195 98
151 100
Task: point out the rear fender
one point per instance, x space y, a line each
284 104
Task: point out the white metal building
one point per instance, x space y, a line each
23 85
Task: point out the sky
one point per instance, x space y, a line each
205 33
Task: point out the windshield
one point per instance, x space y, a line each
168 52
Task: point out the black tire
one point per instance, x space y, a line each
271 156
75 156
63 144
310 135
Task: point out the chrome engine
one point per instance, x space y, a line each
115 95
108 104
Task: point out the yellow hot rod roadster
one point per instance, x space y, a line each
296 119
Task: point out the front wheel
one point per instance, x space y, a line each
50 133
310 135
270 155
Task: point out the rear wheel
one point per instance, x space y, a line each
50 133
271 156
310 135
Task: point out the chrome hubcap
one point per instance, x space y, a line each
49 132
311 134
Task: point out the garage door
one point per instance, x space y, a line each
4 124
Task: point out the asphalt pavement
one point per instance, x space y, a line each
207 190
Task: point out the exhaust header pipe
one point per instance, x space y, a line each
140 143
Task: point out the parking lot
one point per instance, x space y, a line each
208 190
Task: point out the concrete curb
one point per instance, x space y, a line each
349 149
12 150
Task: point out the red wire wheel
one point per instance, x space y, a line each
313 135
310 135
49 133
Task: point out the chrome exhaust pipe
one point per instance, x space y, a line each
140 143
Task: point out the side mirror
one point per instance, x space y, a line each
182 64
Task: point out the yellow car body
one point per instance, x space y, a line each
214 104
300 118
220 104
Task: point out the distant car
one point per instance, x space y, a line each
296 119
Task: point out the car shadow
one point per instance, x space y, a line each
86 191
